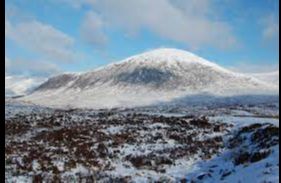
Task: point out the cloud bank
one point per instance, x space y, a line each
42 38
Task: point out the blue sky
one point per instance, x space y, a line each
46 37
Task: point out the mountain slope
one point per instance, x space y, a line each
20 85
271 77
156 76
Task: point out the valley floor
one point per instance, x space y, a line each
230 144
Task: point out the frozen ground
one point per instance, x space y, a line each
221 144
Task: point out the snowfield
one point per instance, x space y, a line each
238 143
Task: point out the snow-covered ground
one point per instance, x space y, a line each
220 144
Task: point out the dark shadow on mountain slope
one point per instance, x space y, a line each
219 101
144 76
56 82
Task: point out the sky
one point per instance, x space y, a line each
48 37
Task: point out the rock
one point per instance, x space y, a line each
203 176
102 149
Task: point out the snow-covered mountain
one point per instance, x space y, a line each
20 85
161 75
270 77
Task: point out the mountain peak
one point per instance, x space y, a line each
167 55
168 51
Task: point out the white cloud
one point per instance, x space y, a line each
7 28
92 30
30 67
270 28
42 38
77 4
194 22
7 64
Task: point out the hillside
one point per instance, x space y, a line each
161 75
